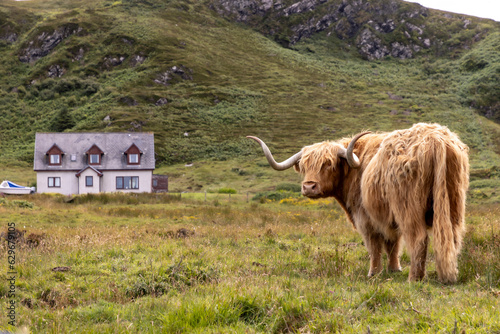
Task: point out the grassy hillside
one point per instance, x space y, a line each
202 82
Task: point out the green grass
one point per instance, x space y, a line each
160 263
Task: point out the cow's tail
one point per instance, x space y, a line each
449 190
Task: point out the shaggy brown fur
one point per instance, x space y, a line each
409 181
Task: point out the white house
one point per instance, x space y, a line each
80 163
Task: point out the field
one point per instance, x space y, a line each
149 263
212 260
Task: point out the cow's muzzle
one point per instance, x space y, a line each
311 189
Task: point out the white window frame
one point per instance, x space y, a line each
55 159
92 157
133 158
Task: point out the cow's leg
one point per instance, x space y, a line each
417 246
374 245
392 248
373 241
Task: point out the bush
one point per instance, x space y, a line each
292 187
275 195
47 94
17 203
227 191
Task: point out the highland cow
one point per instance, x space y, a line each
391 186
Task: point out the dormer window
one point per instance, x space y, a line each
55 155
94 155
133 158
55 159
133 154
94 159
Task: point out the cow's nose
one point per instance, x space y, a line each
309 188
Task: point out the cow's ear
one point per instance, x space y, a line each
297 167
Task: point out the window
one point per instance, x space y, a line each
89 181
94 155
155 183
119 182
133 158
133 154
55 159
94 159
73 157
54 182
55 155
127 182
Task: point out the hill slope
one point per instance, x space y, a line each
202 74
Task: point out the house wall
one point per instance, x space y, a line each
69 182
96 182
109 180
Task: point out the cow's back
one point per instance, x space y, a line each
399 178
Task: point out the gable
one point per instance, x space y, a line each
133 149
96 171
54 150
94 150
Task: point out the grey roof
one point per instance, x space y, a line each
113 144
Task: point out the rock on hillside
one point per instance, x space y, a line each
45 41
378 28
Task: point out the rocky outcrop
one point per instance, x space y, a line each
362 20
302 6
137 60
77 53
9 37
112 61
43 43
312 26
174 74
370 46
402 51
242 10
161 102
56 71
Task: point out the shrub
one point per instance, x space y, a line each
47 94
17 204
227 191
292 187
274 195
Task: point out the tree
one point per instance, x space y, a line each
62 121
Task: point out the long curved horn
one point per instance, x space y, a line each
278 166
349 155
